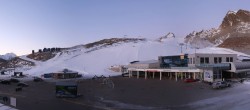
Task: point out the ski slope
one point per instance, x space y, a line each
97 62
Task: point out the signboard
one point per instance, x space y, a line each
66 89
182 57
208 75
13 101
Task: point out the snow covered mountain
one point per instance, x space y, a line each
96 58
233 33
8 56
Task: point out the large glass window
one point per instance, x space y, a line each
207 60
217 74
231 59
174 61
202 60
227 59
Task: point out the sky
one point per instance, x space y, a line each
27 25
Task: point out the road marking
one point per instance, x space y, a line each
94 106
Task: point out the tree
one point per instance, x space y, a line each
44 49
33 52
40 50
53 49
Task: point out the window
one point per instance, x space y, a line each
217 74
215 60
193 60
231 59
202 60
227 59
219 59
207 60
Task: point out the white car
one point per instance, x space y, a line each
220 84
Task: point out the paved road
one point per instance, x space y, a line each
237 99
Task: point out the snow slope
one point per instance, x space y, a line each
97 62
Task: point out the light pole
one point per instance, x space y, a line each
181 44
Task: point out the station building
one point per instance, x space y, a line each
206 67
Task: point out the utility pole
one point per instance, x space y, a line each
181 44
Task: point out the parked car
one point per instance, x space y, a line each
14 80
190 80
22 84
5 82
125 75
220 84
37 79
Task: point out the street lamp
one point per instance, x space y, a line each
181 44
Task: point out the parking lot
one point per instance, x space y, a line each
127 93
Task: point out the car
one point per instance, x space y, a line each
37 79
5 82
14 80
125 75
188 80
220 84
22 84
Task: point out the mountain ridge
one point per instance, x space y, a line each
234 29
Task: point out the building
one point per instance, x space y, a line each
215 67
207 67
172 67
65 74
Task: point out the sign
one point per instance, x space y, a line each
13 101
208 75
182 57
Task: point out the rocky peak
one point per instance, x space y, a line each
233 18
170 35
244 15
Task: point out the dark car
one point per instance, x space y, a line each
37 79
14 80
22 84
5 82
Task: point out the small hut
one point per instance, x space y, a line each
65 74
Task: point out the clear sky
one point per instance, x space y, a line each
27 25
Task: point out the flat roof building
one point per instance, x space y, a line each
208 67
